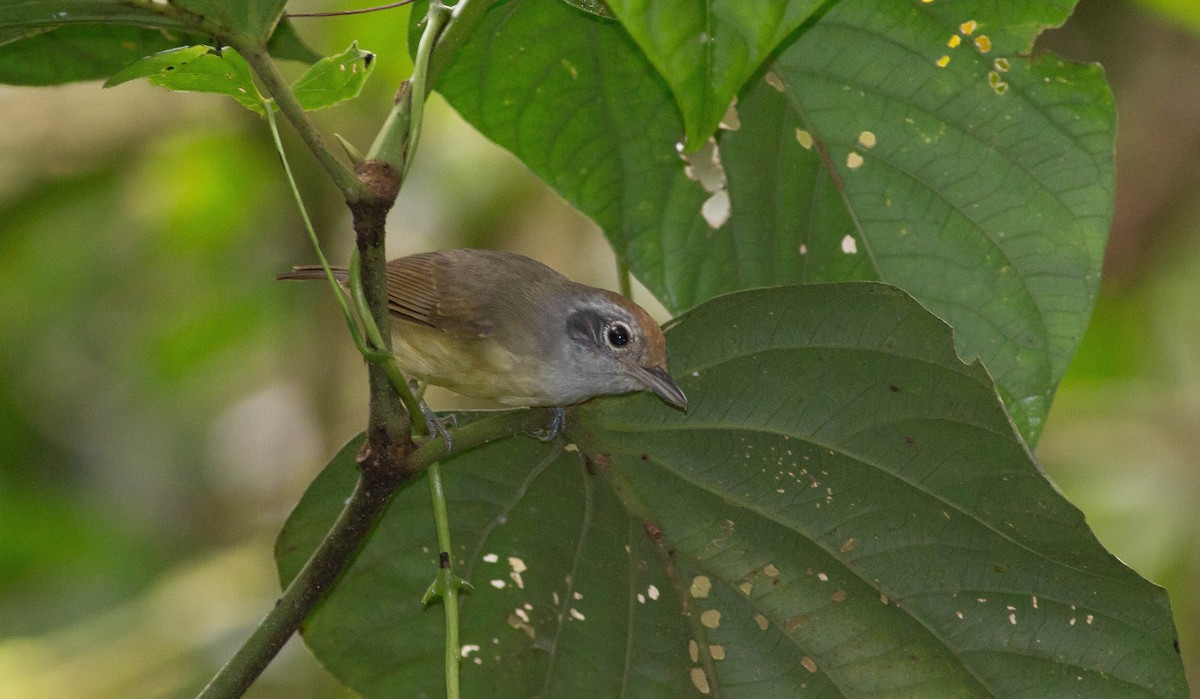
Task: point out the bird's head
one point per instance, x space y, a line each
616 347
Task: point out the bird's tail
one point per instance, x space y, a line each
314 272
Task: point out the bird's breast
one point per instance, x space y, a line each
480 367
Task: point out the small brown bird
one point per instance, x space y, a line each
499 325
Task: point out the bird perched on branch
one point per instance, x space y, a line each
499 325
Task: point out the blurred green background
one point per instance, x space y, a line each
164 402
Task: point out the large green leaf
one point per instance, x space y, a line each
983 187
843 511
539 538
80 52
706 49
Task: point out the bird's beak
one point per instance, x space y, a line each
658 380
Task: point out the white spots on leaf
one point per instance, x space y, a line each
854 161
1090 618
704 166
867 139
641 598
498 584
850 247
804 138
746 587
701 586
577 595
1035 601
490 558
822 577
468 649
1012 618
652 592
576 614
762 621
773 79
717 652
848 545
522 614
700 680
1071 622
803 249
693 651
711 618
960 615
518 566
715 209
808 664
770 570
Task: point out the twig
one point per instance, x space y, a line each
360 11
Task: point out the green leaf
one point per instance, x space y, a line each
79 52
197 69
986 193
843 511
334 79
254 19
285 44
706 49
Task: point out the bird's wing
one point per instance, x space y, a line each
422 290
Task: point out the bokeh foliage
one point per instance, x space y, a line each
204 339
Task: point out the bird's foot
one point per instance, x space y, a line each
438 426
558 419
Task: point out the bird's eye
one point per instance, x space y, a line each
618 335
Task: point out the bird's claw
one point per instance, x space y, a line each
438 425
558 419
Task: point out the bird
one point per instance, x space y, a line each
501 326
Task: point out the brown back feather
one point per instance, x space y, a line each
423 289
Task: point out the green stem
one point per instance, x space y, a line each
381 355
260 62
447 584
397 140
354 523
312 235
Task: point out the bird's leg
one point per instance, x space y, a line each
558 419
437 426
